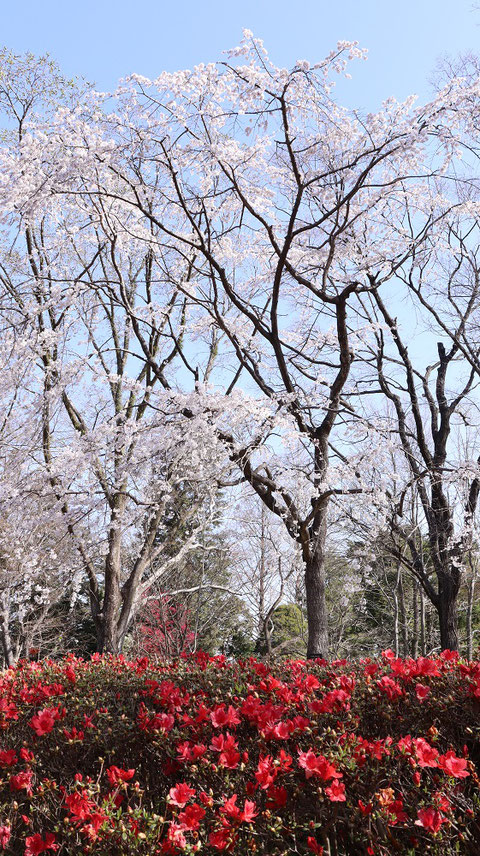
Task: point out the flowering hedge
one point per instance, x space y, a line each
116 757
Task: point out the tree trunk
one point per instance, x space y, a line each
268 629
415 619
447 612
8 655
423 644
430 629
317 617
261 582
395 624
402 611
110 641
470 602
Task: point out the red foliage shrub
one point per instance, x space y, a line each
164 631
116 757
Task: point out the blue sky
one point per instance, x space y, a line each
106 39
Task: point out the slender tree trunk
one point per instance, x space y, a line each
268 628
197 606
402 613
415 619
470 602
423 644
471 593
396 645
429 628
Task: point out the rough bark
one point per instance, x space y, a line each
8 655
110 641
447 612
317 615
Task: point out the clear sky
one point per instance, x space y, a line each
104 40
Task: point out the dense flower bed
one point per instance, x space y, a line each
116 757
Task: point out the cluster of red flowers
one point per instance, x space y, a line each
203 755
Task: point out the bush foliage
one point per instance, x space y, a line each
208 756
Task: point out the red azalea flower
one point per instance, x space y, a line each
388 654
310 683
180 794
191 816
448 655
283 761
221 839
230 807
229 758
8 709
405 744
221 717
22 781
425 666
431 819
35 844
116 775
162 722
390 687
78 805
426 754
453 766
317 765
8 757
74 734
266 772
43 722
314 846
277 796
282 730
442 802
336 792
249 812
397 814
95 821
26 755
175 836
422 692
118 799
217 743
5 833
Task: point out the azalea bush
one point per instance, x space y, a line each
207 756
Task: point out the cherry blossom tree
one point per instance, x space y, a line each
425 414
112 452
106 450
